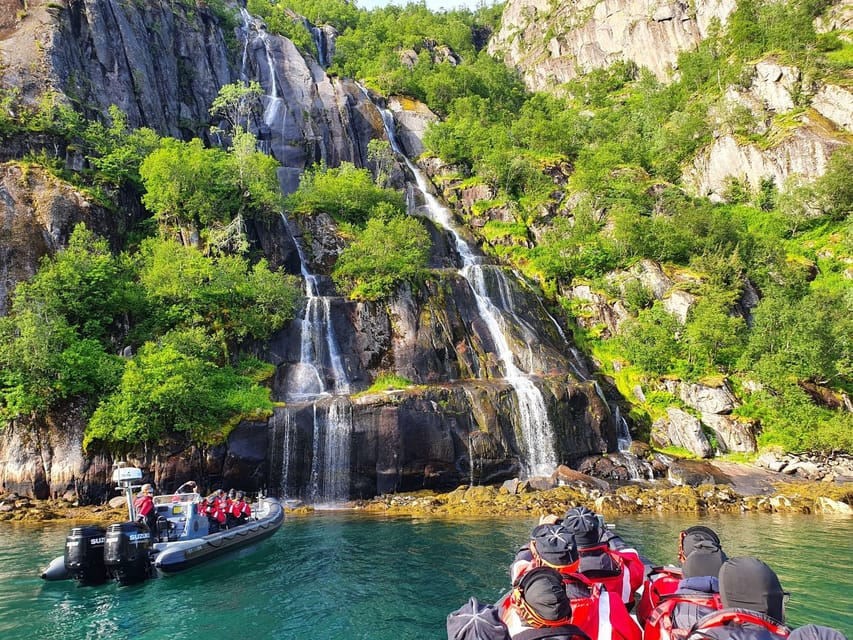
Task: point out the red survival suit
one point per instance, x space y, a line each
738 624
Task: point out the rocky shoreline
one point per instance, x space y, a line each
746 489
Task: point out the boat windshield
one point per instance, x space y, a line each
172 498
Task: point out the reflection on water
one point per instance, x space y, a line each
348 575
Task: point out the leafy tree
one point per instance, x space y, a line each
346 193
116 151
713 337
224 295
391 249
84 283
185 187
254 175
164 390
237 102
43 362
650 340
53 341
834 189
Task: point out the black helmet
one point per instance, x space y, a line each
232 494
240 495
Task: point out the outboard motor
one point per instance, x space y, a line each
126 552
84 555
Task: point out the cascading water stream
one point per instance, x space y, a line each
320 374
319 38
537 434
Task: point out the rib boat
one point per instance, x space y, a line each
129 552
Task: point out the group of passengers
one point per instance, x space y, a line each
223 511
576 579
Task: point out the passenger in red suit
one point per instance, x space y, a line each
144 506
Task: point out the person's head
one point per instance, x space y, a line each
553 545
693 537
240 495
748 583
146 490
703 562
540 598
816 632
583 524
475 621
232 494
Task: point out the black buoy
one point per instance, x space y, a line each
84 555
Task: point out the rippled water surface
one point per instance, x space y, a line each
344 575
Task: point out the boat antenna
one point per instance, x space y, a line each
124 477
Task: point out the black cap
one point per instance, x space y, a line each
554 544
475 621
694 536
543 591
748 583
583 524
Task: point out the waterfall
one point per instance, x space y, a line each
312 385
281 420
336 463
317 340
623 435
330 462
319 38
537 433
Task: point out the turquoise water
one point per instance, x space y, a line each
344 575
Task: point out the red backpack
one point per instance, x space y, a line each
603 615
660 581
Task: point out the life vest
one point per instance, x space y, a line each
143 505
659 625
239 509
602 615
713 625
620 572
660 581
215 512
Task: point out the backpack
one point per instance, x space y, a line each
659 625
660 582
603 615
626 576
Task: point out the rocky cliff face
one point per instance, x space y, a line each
38 212
552 42
469 412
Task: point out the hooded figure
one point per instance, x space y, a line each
816 632
753 604
583 524
475 621
695 537
748 583
553 545
538 607
705 560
